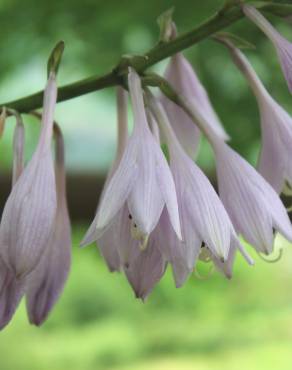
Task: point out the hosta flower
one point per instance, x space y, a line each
117 243
142 180
182 255
275 163
30 209
18 149
181 75
11 292
224 267
47 280
253 205
282 45
109 240
122 252
142 267
11 288
203 217
120 243
145 268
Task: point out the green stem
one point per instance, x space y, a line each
223 18
35 101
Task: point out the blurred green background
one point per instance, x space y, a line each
98 324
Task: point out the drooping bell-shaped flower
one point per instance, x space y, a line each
225 267
183 78
145 267
142 267
281 44
275 163
253 205
118 243
30 208
109 240
142 181
182 255
47 280
121 248
11 292
11 288
203 216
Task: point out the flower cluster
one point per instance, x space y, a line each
156 209
153 213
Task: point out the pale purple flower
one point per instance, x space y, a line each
224 267
18 149
253 205
108 241
47 280
11 288
181 75
108 244
203 216
145 268
281 44
142 181
11 292
122 252
30 209
182 255
275 163
120 242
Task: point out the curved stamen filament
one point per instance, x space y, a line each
287 190
139 235
205 254
274 260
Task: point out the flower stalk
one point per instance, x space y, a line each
219 21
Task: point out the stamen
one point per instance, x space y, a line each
199 276
137 234
143 243
274 260
205 254
287 190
